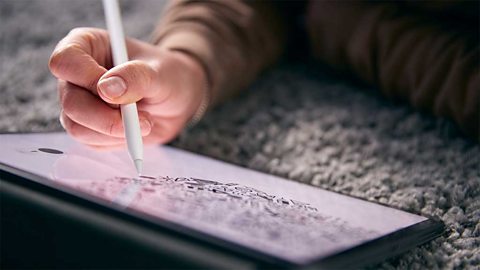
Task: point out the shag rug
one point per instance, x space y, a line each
296 121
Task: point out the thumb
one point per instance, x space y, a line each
131 82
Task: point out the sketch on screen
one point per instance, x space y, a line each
280 225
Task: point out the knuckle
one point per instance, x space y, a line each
90 38
82 30
60 61
64 48
77 31
84 33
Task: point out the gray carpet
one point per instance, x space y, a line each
295 121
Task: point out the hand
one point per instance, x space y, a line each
168 87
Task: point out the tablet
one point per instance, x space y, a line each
262 218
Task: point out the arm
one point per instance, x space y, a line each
430 61
233 40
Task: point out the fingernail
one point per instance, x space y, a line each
145 126
112 87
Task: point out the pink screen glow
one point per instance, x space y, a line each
283 218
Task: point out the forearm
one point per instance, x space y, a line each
233 40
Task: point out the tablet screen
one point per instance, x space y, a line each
285 219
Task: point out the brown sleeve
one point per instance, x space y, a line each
433 64
233 39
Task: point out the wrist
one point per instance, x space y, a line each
201 85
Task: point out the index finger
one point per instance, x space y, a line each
82 57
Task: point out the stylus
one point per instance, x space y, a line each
129 111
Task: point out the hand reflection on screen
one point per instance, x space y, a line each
80 163
85 169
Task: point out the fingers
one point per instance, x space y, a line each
89 111
86 135
131 82
166 132
81 56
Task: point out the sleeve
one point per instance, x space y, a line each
234 40
418 55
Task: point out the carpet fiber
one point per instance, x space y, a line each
296 122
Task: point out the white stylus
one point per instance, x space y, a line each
129 112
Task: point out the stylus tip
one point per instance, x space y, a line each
138 166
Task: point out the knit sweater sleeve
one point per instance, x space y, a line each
234 40
427 54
